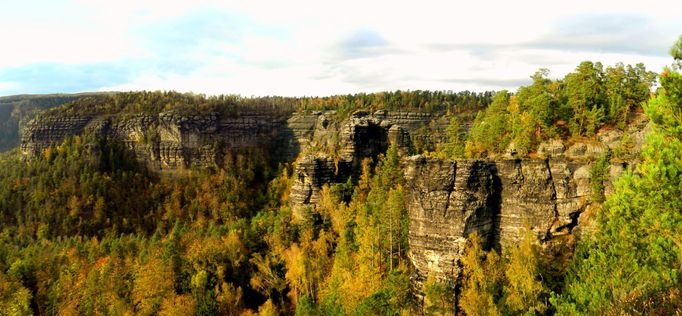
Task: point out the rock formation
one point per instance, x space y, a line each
169 140
446 200
363 135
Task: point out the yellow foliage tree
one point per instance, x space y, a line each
439 297
482 279
14 298
524 291
153 283
178 305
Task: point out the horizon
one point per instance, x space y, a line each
309 49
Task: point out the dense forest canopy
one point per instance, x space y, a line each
157 101
578 105
85 229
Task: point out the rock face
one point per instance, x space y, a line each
311 174
363 135
170 141
448 200
39 135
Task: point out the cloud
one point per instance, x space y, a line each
492 82
363 44
300 48
600 33
50 77
612 33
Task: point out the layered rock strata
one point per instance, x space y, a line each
170 141
363 135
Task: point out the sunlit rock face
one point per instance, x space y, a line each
447 200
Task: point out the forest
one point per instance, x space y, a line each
87 230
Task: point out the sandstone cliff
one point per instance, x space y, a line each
170 140
363 135
446 200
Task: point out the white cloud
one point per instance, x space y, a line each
319 48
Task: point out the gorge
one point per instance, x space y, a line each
446 199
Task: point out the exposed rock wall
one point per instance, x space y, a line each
448 200
363 135
39 135
312 172
169 141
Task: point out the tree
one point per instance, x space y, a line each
490 131
439 297
154 282
482 280
524 291
393 213
14 298
633 263
541 100
626 88
455 135
586 96
676 52
599 174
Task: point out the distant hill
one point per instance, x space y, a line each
18 109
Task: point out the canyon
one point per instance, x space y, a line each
447 200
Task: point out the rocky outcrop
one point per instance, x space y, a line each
170 140
551 195
39 135
362 135
447 201
312 172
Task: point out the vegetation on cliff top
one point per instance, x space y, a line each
154 102
632 264
578 105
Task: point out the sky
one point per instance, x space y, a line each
317 48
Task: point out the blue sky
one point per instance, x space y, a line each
300 48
